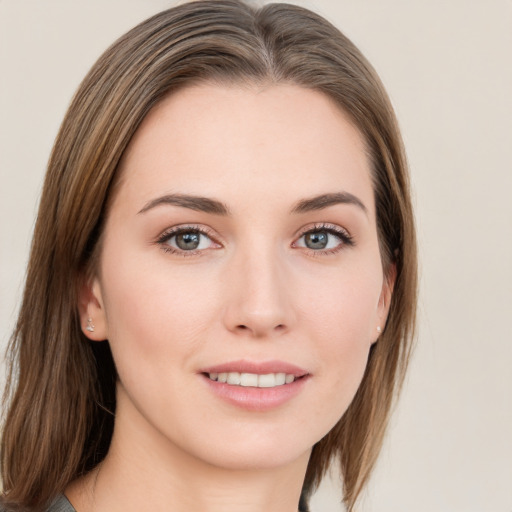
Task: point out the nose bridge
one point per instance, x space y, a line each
258 296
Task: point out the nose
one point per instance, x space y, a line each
258 297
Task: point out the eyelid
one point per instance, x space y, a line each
323 226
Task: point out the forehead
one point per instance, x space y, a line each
233 141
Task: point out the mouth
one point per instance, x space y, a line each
256 386
253 380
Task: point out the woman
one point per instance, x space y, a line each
221 292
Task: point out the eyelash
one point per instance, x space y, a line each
164 238
346 240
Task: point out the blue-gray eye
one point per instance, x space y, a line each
316 240
188 240
323 239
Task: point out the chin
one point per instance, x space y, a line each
256 445
257 456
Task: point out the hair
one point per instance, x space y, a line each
60 394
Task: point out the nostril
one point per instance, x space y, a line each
279 327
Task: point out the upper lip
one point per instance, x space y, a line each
260 368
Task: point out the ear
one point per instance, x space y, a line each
385 299
93 319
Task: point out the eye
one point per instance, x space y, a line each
186 240
325 238
320 240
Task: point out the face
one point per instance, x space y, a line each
240 283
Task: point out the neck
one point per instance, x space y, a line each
144 471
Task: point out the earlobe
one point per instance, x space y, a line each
91 310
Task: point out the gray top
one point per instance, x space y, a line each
61 504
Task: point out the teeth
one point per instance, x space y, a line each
233 378
281 379
249 379
267 381
254 380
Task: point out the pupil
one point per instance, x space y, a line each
316 240
187 241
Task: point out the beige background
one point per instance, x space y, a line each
447 66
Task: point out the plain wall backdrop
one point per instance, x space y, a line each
447 66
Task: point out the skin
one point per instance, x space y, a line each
253 290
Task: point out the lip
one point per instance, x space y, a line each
262 367
251 398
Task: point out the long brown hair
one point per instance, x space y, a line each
61 387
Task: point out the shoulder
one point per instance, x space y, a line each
60 504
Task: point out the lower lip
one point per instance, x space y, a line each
256 399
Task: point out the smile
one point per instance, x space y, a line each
257 386
268 380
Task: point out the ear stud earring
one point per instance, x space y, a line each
90 326
379 329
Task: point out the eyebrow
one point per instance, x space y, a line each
325 200
207 205
198 203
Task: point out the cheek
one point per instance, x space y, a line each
156 314
344 309
343 321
